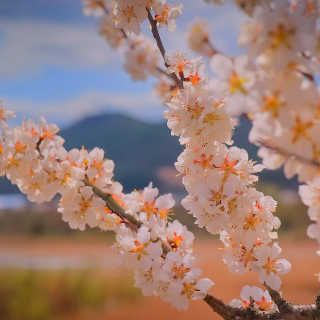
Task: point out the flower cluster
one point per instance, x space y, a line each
120 26
254 297
282 41
33 157
128 15
141 57
198 39
273 84
278 90
161 251
220 179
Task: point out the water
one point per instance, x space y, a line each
9 260
12 201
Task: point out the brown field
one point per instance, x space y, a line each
299 286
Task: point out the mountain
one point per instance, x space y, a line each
141 149
138 148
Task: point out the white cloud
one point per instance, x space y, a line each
139 105
28 45
31 44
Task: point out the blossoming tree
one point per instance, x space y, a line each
273 84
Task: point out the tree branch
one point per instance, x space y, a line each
286 311
230 313
156 36
131 221
283 305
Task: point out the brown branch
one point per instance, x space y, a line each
295 312
231 313
283 305
131 221
170 76
156 36
286 311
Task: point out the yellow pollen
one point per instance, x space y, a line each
281 36
194 78
13 162
47 134
301 129
251 221
195 110
20 147
97 164
269 266
272 104
52 176
264 304
229 166
232 205
180 66
85 162
180 271
176 241
247 256
35 186
163 16
211 118
217 197
139 249
85 204
65 178
163 213
149 208
188 290
236 84
205 161
129 13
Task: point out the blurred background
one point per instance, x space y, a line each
54 64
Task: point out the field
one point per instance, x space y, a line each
94 267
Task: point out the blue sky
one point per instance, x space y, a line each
53 62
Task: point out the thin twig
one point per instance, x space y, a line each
131 221
156 36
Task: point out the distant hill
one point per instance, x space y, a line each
140 149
